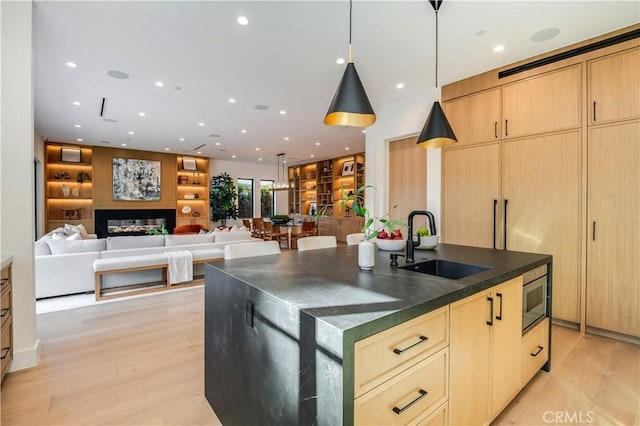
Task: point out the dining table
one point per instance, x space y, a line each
290 230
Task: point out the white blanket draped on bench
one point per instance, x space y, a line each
180 266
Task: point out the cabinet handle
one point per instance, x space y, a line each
490 300
505 224
422 393
594 111
399 351
495 129
4 281
537 351
5 311
506 127
5 352
499 317
593 231
495 206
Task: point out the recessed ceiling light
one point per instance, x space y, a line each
340 61
167 149
118 74
77 103
159 84
218 143
364 130
242 20
131 132
232 101
400 86
243 131
142 114
283 112
123 144
311 156
286 138
346 148
72 65
200 124
317 143
199 152
284 161
498 48
77 125
79 139
257 149
181 139
233 156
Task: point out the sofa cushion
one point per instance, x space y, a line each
179 240
135 241
75 246
224 237
41 248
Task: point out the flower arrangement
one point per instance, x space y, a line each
372 225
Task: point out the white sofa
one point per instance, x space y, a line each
65 267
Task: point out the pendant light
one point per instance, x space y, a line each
281 185
437 131
350 105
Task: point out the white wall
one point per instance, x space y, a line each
397 120
238 169
16 174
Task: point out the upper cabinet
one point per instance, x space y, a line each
545 103
192 205
614 87
69 186
476 118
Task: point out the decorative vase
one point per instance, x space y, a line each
366 255
75 192
65 191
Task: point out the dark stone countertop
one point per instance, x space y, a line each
328 285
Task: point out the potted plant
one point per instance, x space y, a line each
280 219
222 198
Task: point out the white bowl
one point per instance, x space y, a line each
391 244
428 242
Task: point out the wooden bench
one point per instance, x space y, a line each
142 262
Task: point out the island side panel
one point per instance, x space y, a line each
263 364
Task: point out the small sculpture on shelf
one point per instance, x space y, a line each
62 176
82 176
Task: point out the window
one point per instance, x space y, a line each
245 198
267 198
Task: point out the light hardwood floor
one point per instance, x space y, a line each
140 362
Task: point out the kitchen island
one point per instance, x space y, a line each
282 331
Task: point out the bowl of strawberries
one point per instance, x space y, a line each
392 240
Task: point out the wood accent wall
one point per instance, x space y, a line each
103 179
407 177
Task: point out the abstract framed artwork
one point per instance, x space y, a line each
71 155
189 164
136 180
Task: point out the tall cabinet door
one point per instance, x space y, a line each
470 195
541 184
613 245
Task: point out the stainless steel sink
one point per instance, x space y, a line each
444 268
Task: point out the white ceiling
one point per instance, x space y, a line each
285 58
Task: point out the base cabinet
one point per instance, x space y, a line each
6 320
485 341
535 351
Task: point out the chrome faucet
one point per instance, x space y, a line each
410 243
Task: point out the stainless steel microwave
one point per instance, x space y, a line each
534 297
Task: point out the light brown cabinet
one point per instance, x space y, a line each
535 351
192 204
340 227
476 118
485 339
613 243
613 87
6 317
545 103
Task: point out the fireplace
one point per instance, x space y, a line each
111 223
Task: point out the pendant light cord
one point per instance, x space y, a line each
436 49
350 12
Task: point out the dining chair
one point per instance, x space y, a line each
269 234
247 224
317 242
309 228
258 227
353 239
258 248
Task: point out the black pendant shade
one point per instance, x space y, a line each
350 105
437 131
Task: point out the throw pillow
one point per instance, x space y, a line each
74 237
71 229
76 246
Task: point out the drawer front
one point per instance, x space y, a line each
407 397
535 350
6 349
437 418
5 307
385 354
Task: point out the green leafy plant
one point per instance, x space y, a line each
372 225
161 231
222 198
423 232
280 219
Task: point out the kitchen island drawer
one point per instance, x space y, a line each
5 306
535 350
408 397
385 354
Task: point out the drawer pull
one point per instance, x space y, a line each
4 281
399 351
537 351
5 311
5 352
422 392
